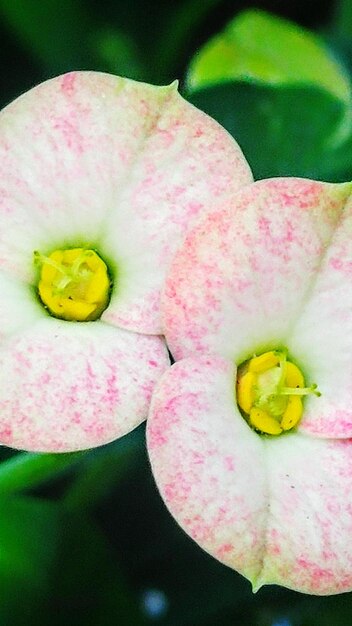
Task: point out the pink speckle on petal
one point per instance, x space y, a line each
229 463
68 83
88 388
224 550
248 500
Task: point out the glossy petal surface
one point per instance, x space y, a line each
250 501
95 160
69 386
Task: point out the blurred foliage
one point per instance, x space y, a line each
57 32
25 471
85 538
280 93
284 131
263 48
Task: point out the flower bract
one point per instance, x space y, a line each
262 289
100 177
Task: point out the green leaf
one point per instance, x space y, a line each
88 580
284 131
101 471
260 47
342 19
57 32
28 545
28 470
55 564
24 525
119 53
178 33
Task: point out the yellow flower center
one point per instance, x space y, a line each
269 392
74 284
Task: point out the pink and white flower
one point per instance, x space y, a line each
93 161
271 269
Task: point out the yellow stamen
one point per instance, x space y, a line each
293 375
263 362
270 390
292 413
245 391
74 284
262 421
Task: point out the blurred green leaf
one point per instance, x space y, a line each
26 470
57 32
55 565
119 53
87 581
157 554
176 36
28 545
284 131
339 33
260 47
342 19
101 471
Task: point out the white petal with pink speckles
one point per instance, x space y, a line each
273 269
244 274
310 514
68 386
213 486
278 510
105 162
322 337
187 166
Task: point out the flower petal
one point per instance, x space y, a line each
67 386
207 462
308 545
250 501
105 162
187 166
322 338
243 275
19 307
56 185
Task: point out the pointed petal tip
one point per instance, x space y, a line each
256 585
174 85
